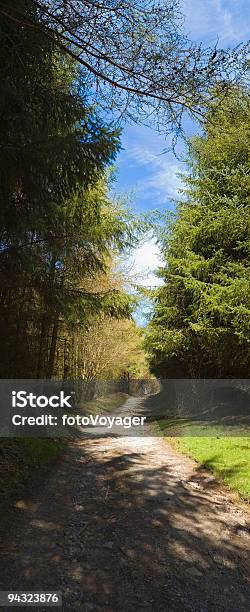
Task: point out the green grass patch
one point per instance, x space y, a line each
24 459
216 448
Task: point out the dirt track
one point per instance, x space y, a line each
127 524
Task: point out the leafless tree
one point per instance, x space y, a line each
136 59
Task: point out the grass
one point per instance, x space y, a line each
215 448
24 462
20 458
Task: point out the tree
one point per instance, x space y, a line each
104 342
111 348
57 222
202 314
135 57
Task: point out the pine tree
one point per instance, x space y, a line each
202 315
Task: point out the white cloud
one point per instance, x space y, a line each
165 180
144 262
141 154
160 181
226 19
231 29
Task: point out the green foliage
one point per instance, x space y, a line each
57 223
201 322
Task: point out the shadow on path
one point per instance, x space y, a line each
126 525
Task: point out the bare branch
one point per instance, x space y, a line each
136 58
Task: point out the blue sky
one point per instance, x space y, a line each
142 170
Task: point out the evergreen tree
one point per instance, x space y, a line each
56 220
201 323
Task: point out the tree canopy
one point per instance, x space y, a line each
136 58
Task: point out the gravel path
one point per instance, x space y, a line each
126 524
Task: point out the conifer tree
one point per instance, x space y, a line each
201 323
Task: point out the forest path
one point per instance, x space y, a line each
127 524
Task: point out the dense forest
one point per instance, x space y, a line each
65 308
